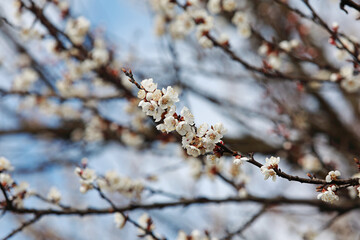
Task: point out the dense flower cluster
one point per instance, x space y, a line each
77 29
350 79
195 16
241 21
114 183
268 168
87 178
17 192
160 104
216 6
328 195
111 182
5 165
332 175
274 56
25 79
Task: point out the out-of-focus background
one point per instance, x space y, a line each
313 126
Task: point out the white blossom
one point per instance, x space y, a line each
154 96
149 85
268 173
5 165
54 195
205 42
310 163
239 161
169 98
181 26
181 234
141 94
187 115
63 5
25 79
212 137
124 185
332 175
285 45
239 18
328 195
214 6
275 61
76 29
207 22
120 220
242 193
20 188
160 25
268 168
5 179
131 139
244 30
223 39
149 108
94 130
193 151
170 123
88 177
294 43
201 131
183 128
272 161
229 5
219 127
144 222
351 85
263 49
100 56
186 140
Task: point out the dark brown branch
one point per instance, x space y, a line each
345 206
349 3
351 181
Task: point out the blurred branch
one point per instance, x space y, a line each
23 226
245 226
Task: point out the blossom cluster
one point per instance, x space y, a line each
273 55
87 177
25 79
216 6
241 21
111 182
114 183
160 104
349 77
332 175
17 192
268 168
77 29
195 16
328 195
